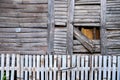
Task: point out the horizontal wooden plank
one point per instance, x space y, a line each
23 40
23 35
22 30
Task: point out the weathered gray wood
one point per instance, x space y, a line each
102 29
84 40
70 26
51 25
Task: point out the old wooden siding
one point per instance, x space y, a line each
113 26
23 26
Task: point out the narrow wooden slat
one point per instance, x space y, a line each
18 67
68 65
100 65
82 66
86 67
64 67
73 66
109 66
96 65
34 67
30 67
7 66
38 66
22 65
55 63
26 66
70 26
2 65
103 25
50 66
59 67
46 66
114 68
91 67
104 66
51 24
78 66
13 67
118 71
42 67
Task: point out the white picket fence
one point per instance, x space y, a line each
59 67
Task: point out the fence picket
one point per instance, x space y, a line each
46 66
55 63
64 67
118 73
105 67
34 65
38 66
59 67
2 65
78 65
42 67
96 65
50 65
86 68
100 65
73 66
30 67
68 65
82 66
13 67
22 65
18 67
113 68
7 66
26 67
109 67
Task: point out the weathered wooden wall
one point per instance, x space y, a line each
113 26
23 26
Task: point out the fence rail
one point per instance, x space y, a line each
59 67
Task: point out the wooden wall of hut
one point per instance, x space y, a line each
23 26
26 26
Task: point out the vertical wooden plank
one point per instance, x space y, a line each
118 71
13 67
82 66
2 65
96 65
91 67
50 66
7 66
114 68
38 66
68 65
18 67
34 67
104 66
55 63
59 67
64 67
46 66
70 26
100 65
109 67
22 62
73 65
30 67
103 27
26 66
86 67
78 66
42 67
51 26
